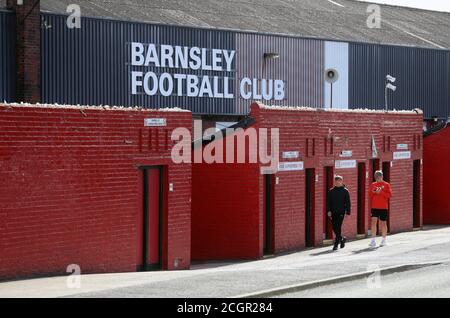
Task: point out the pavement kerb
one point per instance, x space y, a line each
337 279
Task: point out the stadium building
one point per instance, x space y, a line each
216 57
95 185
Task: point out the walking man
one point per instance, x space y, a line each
379 194
338 205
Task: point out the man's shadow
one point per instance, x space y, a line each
368 249
330 251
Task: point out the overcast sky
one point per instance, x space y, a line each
437 5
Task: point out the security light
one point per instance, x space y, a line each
271 55
391 78
331 76
19 2
391 87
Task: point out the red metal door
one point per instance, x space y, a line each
154 191
150 220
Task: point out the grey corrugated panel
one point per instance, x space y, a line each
300 65
90 65
336 57
7 56
423 79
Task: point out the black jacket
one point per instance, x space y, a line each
338 201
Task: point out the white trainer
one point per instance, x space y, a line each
373 243
383 243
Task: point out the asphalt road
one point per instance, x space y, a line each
428 282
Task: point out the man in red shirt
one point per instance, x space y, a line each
379 195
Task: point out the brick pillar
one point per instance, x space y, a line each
28 49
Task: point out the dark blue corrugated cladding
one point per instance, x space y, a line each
85 66
7 56
92 65
423 78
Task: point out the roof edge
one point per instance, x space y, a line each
246 31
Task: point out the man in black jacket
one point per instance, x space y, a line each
338 205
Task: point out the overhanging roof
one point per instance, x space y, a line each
337 20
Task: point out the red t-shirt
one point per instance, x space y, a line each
380 200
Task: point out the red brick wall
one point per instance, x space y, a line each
436 185
71 191
310 133
402 131
350 131
289 221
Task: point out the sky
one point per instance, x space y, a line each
437 5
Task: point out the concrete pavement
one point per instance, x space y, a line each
235 279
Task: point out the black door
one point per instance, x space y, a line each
309 207
387 177
361 198
268 214
416 194
329 180
374 166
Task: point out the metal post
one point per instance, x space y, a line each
331 96
385 95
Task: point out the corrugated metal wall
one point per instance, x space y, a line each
300 65
7 56
336 57
92 65
423 78
84 66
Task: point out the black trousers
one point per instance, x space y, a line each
336 220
